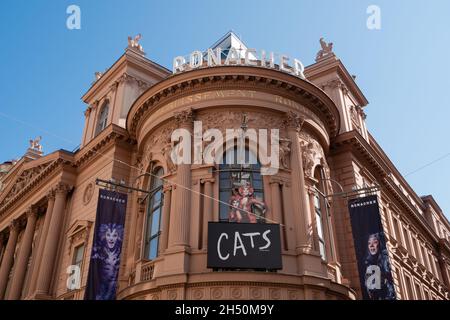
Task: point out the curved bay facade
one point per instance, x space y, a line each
48 202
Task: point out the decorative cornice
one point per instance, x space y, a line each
224 78
359 146
95 147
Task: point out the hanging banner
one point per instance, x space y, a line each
244 245
371 252
106 246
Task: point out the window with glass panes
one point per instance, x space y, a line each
233 175
154 211
77 258
102 118
78 254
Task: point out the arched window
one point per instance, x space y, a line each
102 118
154 211
320 210
237 181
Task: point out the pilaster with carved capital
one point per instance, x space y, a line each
293 121
8 257
61 188
167 190
208 208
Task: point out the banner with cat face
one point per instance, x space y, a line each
106 246
370 248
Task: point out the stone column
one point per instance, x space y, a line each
8 257
208 208
302 216
179 233
52 241
166 217
277 206
41 242
2 248
23 256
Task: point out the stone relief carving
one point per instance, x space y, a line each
312 153
24 179
255 293
158 142
236 293
166 150
216 293
197 294
185 117
234 119
275 294
171 294
88 192
285 151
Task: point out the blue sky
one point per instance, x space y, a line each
402 69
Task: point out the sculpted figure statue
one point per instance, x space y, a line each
134 42
36 144
327 48
285 150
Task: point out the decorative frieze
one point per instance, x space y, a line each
184 118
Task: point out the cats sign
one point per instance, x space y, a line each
244 245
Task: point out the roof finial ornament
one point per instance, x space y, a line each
133 43
327 50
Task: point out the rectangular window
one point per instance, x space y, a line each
78 255
397 229
426 294
418 292
427 259
416 249
77 260
409 288
405 235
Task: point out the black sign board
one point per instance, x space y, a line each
244 245
370 248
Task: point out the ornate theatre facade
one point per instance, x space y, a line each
48 202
